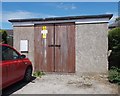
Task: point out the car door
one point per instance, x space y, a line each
3 75
3 71
11 62
5 65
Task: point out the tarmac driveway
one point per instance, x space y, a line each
65 84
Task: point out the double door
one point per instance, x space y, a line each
56 51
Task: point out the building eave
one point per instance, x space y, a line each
62 18
76 19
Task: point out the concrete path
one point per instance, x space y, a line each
69 84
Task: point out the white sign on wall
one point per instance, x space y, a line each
23 45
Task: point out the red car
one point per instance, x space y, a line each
13 66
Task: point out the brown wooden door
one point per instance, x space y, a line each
60 48
65 54
44 55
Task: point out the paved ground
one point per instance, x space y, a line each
65 84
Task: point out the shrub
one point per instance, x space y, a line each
114 75
38 73
114 39
114 45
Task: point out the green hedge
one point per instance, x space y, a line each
114 45
114 39
114 58
114 75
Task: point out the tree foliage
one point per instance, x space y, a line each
114 45
3 36
114 39
114 59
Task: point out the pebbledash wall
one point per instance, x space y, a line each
91 41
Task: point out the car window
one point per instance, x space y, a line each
9 54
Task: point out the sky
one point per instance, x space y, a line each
22 10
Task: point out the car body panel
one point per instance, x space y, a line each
13 70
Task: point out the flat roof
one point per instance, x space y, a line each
63 18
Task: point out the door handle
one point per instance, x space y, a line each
58 46
54 46
50 45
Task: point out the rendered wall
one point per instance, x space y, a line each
25 33
91 48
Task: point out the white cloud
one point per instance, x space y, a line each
66 6
7 15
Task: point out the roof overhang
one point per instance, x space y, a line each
77 19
